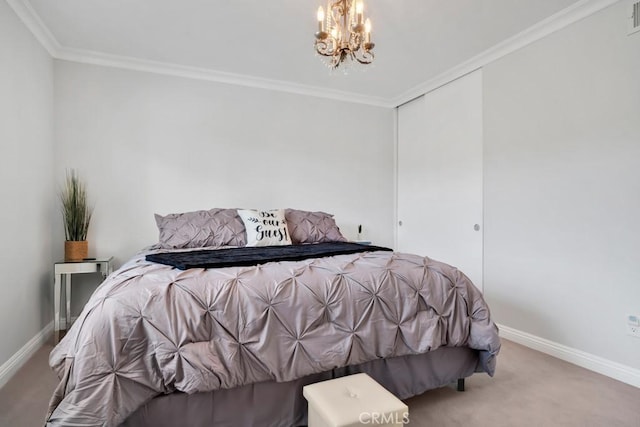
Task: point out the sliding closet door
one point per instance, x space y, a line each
440 175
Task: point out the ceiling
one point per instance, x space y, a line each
416 40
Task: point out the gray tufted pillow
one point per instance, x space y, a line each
199 229
312 227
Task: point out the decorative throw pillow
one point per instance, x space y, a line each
312 227
265 228
199 229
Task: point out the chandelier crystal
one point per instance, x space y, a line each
344 34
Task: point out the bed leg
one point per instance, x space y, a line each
460 384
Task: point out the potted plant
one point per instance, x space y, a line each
76 216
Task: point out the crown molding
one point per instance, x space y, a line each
556 22
32 21
562 19
165 68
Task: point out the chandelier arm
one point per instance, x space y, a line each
326 47
366 57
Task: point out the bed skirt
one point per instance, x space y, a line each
272 404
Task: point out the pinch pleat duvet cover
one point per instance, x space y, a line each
152 329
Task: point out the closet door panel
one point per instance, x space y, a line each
440 175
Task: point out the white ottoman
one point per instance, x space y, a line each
354 400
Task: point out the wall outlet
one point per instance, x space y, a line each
634 331
633 325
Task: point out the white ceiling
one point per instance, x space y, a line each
416 40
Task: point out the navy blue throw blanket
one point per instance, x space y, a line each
235 257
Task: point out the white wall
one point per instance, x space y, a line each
26 189
149 143
562 187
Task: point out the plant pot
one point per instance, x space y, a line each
75 250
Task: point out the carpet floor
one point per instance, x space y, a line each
529 389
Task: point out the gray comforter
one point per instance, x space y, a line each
150 329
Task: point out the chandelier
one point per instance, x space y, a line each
345 34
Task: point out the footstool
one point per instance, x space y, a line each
354 400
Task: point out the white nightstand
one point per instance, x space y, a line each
66 269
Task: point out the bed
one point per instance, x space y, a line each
199 344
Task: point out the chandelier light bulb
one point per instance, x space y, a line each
367 34
320 16
321 34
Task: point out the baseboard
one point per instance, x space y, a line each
11 366
603 366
